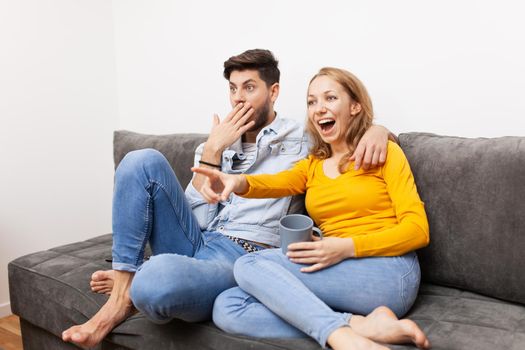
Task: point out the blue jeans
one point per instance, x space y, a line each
189 268
277 300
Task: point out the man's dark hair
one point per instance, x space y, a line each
261 60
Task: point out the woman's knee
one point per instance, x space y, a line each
148 296
251 268
246 267
227 310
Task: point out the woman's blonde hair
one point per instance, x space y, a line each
359 123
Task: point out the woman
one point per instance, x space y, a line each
372 221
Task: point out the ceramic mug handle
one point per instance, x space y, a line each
318 231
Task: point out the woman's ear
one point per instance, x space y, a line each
355 108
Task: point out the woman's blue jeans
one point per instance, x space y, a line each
189 268
276 300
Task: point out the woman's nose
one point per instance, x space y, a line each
320 108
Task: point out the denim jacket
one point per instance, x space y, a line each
279 146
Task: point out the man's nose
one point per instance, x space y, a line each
239 97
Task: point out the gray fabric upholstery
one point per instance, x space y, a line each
474 193
50 291
471 188
178 149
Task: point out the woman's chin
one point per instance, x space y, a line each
330 138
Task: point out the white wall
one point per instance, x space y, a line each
449 67
58 108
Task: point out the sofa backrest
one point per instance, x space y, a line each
474 194
179 149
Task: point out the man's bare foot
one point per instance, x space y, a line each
102 281
383 326
117 309
345 338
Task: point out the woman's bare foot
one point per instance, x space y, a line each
383 326
102 281
117 309
345 338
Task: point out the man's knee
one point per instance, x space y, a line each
145 159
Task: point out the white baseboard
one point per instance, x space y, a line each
5 310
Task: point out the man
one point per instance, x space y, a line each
195 244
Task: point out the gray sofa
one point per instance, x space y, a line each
473 290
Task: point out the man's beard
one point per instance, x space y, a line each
261 116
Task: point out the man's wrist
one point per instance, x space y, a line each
211 153
211 165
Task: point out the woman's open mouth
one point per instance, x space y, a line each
326 125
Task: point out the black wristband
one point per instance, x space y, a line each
210 164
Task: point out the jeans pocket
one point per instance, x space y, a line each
208 236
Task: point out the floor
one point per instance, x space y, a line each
10 338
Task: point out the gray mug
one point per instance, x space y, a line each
296 228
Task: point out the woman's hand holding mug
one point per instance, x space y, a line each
321 253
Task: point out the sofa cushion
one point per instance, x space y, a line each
50 291
474 194
179 149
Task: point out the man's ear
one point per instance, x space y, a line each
274 92
355 108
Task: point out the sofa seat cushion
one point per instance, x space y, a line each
50 290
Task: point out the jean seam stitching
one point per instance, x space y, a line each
145 230
403 297
182 223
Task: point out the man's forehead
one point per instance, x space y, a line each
239 77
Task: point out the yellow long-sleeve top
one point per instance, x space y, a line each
379 209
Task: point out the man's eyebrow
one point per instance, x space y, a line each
244 82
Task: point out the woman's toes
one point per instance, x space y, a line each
416 334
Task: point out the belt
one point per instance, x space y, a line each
248 246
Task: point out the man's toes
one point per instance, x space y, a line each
101 290
96 287
100 275
95 276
